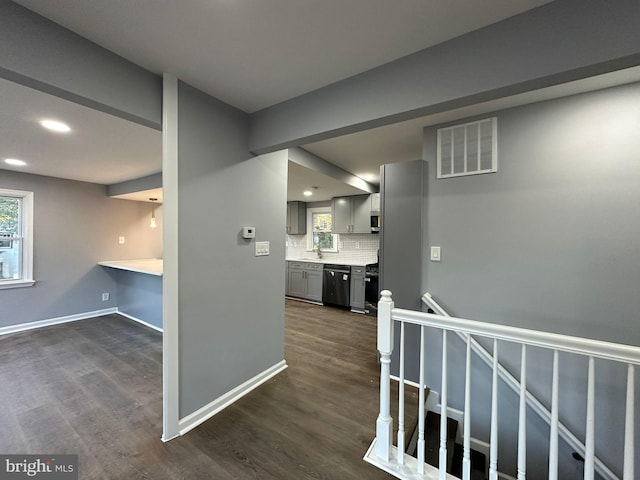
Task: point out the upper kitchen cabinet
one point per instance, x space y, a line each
375 202
296 218
351 214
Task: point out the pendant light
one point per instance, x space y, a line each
153 223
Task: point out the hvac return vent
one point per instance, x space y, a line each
468 149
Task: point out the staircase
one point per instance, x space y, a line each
454 449
432 452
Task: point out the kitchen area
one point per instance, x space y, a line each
332 252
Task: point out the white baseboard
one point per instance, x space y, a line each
203 414
55 321
135 319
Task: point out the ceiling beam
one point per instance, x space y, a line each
41 54
556 43
309 160
141 184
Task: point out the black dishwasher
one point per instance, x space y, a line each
336 284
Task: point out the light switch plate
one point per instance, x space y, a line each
435 254
262 249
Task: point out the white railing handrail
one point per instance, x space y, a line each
394 460
515 385
555 341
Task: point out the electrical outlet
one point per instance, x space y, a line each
262 249
121 240
357 245
105 296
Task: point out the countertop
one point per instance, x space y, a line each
150 266
351 263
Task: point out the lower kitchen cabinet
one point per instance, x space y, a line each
297 284
356 299
314 283
304 280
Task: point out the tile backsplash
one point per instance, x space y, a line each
347 252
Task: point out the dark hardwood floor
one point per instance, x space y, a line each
93 388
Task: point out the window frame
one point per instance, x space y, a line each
310 212
26 224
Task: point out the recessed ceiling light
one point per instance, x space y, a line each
15 162
307 193
55 126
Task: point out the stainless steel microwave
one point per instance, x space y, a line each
375 223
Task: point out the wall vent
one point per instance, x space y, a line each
468 149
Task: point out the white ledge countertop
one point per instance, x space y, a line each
150 266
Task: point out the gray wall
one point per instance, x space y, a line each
41 54
403 188
75 226
549 242
558 42
140 296
231 302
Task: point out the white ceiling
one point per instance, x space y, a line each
100 148
155 195
302 178
255 53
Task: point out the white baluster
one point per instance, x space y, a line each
421 407
493 452
589 443
384 424
466 453
629 426
442 463
522 427
553 435
401 399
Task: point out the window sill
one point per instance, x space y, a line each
16 284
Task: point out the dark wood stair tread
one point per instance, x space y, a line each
478 463
454 450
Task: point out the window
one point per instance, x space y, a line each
468 149
319 234
16 238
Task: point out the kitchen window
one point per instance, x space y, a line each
16 238
319 236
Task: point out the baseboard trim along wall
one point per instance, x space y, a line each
203 414
55 321
135 319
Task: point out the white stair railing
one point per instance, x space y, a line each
526 399
383 454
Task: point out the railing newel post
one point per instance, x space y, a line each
384 423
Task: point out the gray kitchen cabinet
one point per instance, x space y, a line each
375 202
341 215
314 282
356 298
361 214
351 214
304 280
297 279
296 218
